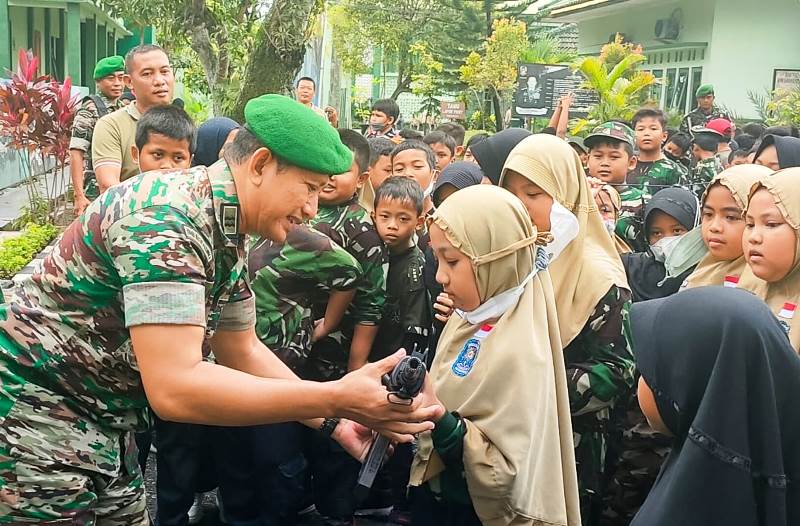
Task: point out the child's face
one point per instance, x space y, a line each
663 225
610 164
605 205
469 157
396 222
455 272
381 171
769 158
769 242
380 121
649 134
162 153
722 224
674 150
443 155
740 160
341 188
414 164
538 202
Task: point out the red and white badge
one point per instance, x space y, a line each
788 310
731 281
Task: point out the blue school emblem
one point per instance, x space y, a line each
467 358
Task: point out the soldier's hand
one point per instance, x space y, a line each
362 397
444 307
81 202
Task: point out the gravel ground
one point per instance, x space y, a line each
211 517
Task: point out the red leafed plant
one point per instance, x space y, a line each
36 114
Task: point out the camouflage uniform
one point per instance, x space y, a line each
288 279
650 177
82 129
150 250
350 227
600 373
698 117
703 173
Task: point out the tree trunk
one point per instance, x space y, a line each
498 112
278 55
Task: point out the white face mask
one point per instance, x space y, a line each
428 191
611 226
687 253
662 248
565 227
496 306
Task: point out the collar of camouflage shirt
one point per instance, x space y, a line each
226 203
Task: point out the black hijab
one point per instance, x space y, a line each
788 149
211 135
460 175
645 273
727 383
491 153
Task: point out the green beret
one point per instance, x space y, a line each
297 134
108 65
704 91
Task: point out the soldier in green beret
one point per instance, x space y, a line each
705 111
115 319
109 83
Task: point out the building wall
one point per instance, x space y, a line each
750 40
639 24
18 23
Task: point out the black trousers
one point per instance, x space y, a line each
193 458
427 510
297 467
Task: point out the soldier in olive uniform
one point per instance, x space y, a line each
705 111
108 78
116 316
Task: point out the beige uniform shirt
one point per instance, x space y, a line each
112 140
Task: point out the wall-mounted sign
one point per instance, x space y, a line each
788 79
453 110
540 86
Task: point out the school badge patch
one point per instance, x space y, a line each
787 313
469 354
731 282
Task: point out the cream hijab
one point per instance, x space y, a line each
518 450
366 196
784 186
739 180
590 265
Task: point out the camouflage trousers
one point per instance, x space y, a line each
59 469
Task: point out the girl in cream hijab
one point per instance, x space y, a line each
723 206
502 455
592 298
772 247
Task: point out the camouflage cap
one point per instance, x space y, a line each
297 134
107 66
611 130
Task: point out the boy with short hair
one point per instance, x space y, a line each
380 161
382 120
738 157
704 151
443 146
416 160
676 148
653 169
457 132
165 139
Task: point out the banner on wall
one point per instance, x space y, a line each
541 86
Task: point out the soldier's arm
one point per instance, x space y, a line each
76 159
107 154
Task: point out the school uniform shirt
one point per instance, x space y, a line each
407 313
288 279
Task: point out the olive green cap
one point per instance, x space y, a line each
108 66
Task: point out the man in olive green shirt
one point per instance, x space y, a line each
149 75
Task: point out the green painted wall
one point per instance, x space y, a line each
73 42
19 32
5 39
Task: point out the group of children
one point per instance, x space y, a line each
523 298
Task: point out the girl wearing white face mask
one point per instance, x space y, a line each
592 297
669 216
503 453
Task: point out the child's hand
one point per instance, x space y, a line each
443 307
319 331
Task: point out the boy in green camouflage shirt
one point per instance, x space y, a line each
707 164
654 170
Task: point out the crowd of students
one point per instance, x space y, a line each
517 261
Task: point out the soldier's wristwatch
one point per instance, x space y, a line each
328 426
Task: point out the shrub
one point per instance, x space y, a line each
18 251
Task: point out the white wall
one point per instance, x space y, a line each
639 23
751 39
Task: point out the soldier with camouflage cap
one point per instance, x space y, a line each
116 316
108 78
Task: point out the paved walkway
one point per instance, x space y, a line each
14 199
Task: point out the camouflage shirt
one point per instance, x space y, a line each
82 129
600 374
151 250
288 279
698 117
703 173
651 176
